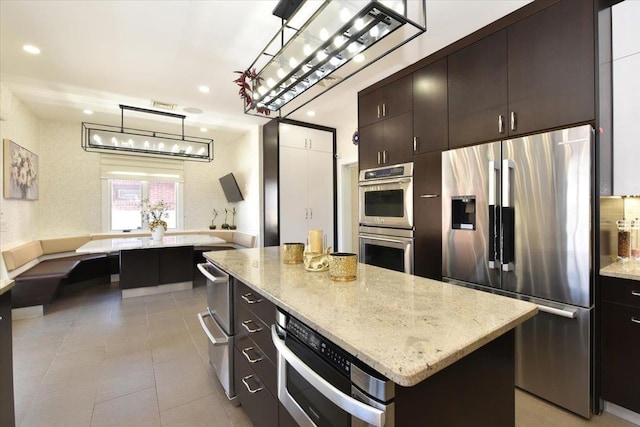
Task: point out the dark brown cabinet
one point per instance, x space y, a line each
551 60
536 74
621 342
388 142
255 356
385 102
430 115
477 87
7 414
427 207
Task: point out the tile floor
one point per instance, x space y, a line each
97 360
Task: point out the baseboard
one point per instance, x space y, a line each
27 312
621 412
153 290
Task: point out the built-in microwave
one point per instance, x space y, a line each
386 196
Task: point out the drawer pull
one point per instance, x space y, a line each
249 359
635 293
251 390
251 331
249 300
635 320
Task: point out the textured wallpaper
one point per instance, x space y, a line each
21 126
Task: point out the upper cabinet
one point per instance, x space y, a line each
385 102
430 116
626 97
388 142
478 91
551 59
536 74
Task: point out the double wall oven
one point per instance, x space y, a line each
386 232
319 384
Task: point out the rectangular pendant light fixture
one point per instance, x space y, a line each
120 140
326 42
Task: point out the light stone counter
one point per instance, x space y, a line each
406 327
6 285
123 243
622 270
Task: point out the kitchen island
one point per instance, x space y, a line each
443 344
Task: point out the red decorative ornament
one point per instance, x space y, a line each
246 92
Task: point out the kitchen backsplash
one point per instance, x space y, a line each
632 207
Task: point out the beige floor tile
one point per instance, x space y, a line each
27 386
72 407
169 347
203 412
192 306
113 386
161 305
136 409
160 296
168 323
69 377
30 364
127 364
88 357
186 294
181 381
20 327
116 347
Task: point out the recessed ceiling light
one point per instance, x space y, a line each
203 129
311 113
31 49
203 89
87 112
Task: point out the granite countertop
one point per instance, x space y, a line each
622 270
406 327
122 243
6 285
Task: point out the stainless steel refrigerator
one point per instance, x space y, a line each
516 219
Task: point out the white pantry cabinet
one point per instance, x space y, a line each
306 183
626 97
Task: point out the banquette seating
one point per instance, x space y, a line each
41 268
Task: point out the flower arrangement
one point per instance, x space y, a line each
153 213
23 170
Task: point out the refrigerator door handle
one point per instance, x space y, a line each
569 314
494 217
508 217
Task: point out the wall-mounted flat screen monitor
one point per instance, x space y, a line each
231 189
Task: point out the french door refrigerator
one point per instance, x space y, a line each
516 218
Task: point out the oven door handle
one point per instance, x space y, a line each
362 411
384 181
215 341
386 239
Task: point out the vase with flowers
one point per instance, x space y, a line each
154 214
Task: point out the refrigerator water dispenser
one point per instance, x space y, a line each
463 212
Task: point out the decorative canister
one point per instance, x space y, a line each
343 266
624 239
635 239
292 253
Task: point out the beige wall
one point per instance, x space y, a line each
19 124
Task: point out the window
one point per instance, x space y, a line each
127 181
125 198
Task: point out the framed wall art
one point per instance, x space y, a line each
21 172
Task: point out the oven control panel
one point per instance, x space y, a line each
329 351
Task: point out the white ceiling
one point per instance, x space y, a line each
99 54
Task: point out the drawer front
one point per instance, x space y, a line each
251 331
260 364
256 399
621 291
256 303
620 355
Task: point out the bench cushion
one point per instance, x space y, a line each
20 255
63 244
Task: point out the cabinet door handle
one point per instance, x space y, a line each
249 358
246 323
251 390
429 196
415 143
378 157
500 123
247 296
513 120
310 213
306 213
635 293
310 143
384 110
384 157
635 320
378 107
